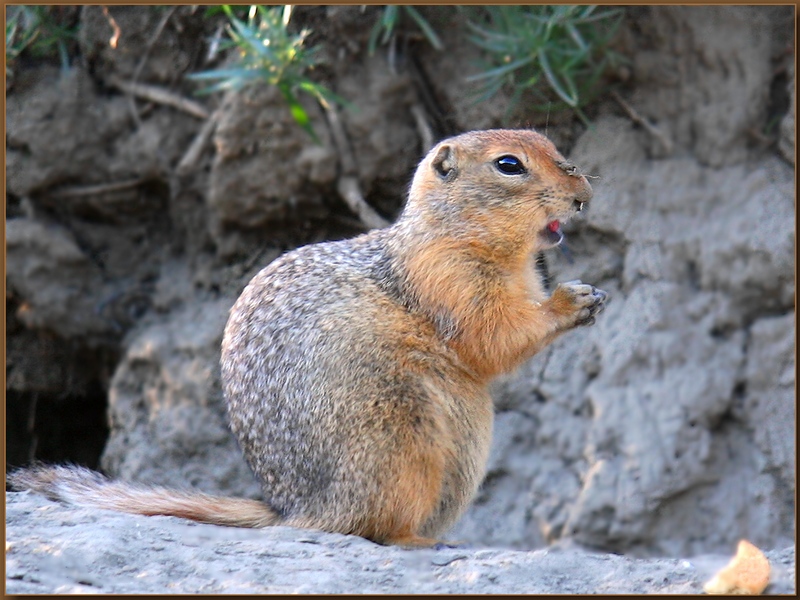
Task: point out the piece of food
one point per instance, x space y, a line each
747 573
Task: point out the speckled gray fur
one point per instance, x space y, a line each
301 356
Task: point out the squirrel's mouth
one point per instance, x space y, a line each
552 235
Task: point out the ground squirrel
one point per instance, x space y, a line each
355 372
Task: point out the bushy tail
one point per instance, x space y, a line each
83 487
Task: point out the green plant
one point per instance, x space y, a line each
557 52
384 27
41 30
268 53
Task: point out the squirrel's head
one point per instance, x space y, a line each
507 187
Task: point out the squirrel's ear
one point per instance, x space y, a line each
444 162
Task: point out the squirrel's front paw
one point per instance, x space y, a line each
579 302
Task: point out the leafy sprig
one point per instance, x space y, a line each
558 52
266 52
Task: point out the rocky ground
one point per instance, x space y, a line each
52 549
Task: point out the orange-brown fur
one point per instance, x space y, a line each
515 318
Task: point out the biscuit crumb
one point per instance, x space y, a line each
747 573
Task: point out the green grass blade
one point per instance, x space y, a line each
373 38
576 36
388 22
489 90
554 82
223 74
298 112
63 56
320 91
502 70
607 14
425 27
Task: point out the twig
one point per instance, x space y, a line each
137 119
424 129
100 188
640 120
114 40
350 191
348 186
195 149
156 34
340 139
161 96
131 99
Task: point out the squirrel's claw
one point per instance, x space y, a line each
588 300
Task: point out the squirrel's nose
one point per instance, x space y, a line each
584 192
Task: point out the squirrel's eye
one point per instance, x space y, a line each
509 165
